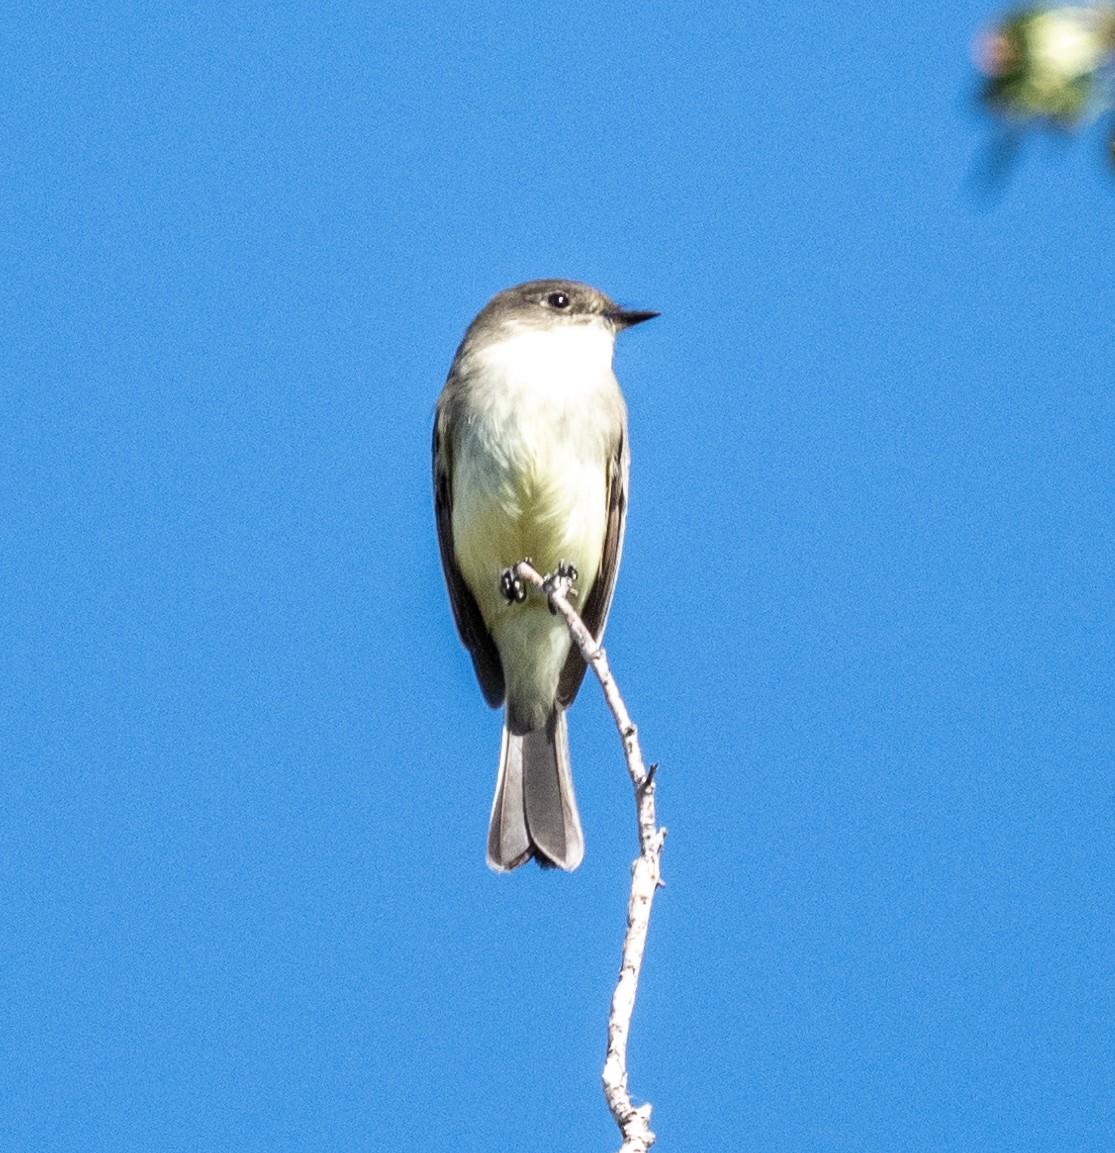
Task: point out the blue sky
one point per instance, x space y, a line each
864 619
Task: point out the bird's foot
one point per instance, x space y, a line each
561 580
566 572
512 587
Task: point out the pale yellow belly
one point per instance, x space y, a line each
548 515
549 511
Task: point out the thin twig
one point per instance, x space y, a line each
646 875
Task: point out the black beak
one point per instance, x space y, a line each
623 318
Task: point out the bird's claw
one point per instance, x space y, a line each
561 580
512 587
566 571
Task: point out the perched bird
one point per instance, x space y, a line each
530 463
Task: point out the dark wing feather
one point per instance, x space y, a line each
470 624
595 609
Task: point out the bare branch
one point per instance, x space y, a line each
634 1123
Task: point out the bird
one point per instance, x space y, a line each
531 462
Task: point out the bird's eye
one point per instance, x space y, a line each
557 300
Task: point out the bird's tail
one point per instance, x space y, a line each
534 813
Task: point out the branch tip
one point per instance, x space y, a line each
557 587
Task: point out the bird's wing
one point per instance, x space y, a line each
466 612
595 610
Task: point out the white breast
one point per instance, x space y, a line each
541 391
573 359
